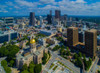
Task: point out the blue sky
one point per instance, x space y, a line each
42 7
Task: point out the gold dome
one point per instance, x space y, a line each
32 41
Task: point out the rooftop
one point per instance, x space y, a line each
20 56
92 30
73 28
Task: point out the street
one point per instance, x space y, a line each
64 61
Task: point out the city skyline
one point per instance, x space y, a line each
42 7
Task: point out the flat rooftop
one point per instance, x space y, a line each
92 30
73 28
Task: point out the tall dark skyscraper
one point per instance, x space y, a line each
72 36
32 18
57 14
49 17
91 42
50 12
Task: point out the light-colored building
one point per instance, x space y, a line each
30 53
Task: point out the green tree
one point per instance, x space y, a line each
75 56
44 58
80 54
31 65
3 51
13 49
3 63
68 53
31 70
25 71
28 43
67 48
38 68
79 62
24 67
61 51
7 69
56 47
11 63
98 71
90 60
64 52
84 56
5 43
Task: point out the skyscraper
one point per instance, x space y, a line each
51 12
57 14
49 17
72 36
64 19
32 19
41 20
91 42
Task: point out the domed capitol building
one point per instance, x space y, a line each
30 53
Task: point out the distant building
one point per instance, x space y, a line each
72 36
91 42
51 12
7 36
98 41
64 19
32 19
49 18
57 14
47 32
41 20
9 20
81 37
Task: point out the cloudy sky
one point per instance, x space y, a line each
42 7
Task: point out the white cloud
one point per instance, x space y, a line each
46 1
24 3
4 11
80 1
9 3
78 7
17 7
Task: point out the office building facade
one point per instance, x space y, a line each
72 36
32 19
57 14
91 42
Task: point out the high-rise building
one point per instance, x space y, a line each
32 19
49 19
64 19
8 20
91 42
72 36
57 14
51 12
41 20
